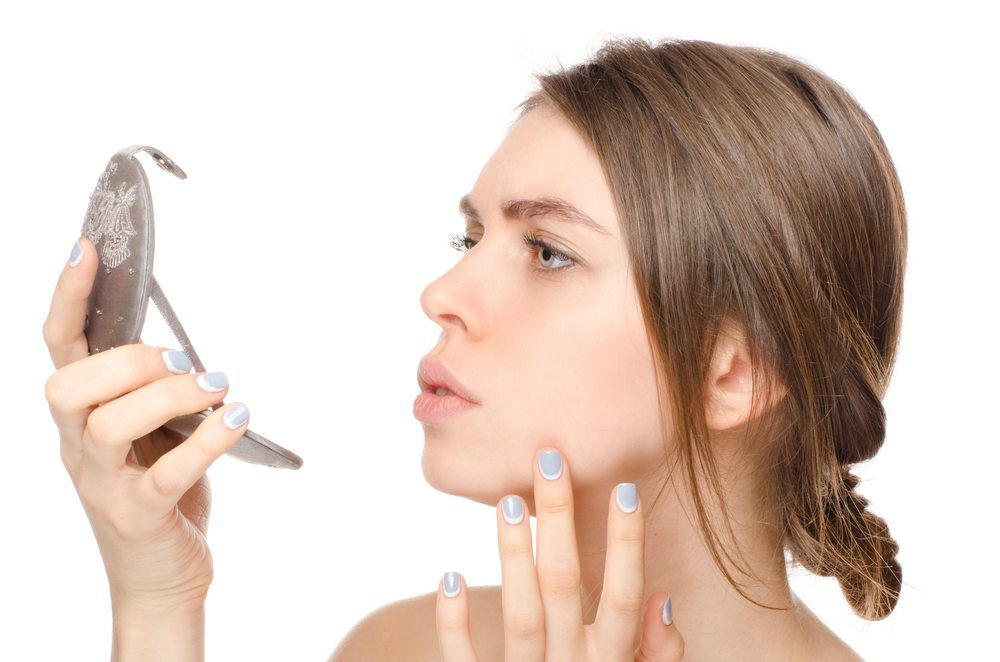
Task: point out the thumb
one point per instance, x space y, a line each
660 642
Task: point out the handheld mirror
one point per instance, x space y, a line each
119 222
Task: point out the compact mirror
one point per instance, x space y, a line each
119 222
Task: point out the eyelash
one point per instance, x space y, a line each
460 242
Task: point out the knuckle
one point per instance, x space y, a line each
47 333
164 395
137 356
630 539
629 605
55 389
524 624
557 504
164 483
514 549
452 621
98 429
198 445
560 581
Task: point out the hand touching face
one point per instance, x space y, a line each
542 610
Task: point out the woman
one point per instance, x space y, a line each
681 301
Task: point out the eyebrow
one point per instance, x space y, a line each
555 207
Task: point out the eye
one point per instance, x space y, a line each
535 245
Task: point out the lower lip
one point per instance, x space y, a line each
430 407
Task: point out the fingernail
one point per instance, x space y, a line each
236 416
550 464
668 612
212 381
513 509
76 254
627 498
177 361
452 584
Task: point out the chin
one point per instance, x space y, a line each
464 461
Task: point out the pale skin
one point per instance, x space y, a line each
558 361
145 493
542 615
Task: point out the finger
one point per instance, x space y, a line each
558 562
163 484
76 388
618 615
112 427
661 641
63 326
452 619
523 618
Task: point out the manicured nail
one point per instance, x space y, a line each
452 584
177 361
76 254
627 498
668 612
212 381
550 464
513 509
236 416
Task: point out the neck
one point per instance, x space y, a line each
714 619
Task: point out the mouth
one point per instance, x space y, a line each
434 378
441 394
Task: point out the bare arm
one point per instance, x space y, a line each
158 637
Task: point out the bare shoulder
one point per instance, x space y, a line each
406 630
821 642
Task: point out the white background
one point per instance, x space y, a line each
326 149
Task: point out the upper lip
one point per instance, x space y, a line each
431 374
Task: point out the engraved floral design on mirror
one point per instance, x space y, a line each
109 217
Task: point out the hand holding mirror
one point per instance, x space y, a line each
119 222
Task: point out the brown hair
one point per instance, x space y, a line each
752 188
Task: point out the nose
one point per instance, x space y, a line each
440 301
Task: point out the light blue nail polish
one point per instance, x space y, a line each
236 416
550 464
628 499
452 584
668 612
76 254
177 361
513 509
212 381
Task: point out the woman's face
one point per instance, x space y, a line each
556 355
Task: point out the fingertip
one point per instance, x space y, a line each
626 498
661 640
451 584
550 463
667 612
235 415
76 253
512 509
79 273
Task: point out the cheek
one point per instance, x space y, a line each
591 390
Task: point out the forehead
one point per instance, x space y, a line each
543 155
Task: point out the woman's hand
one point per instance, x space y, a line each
142 487
542 610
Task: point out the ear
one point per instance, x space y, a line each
729 390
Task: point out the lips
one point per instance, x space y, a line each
432 374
